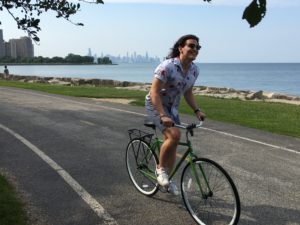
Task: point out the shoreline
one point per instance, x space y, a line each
219 92
230 93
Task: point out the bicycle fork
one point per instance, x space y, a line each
205 194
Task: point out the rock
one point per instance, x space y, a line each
58 81
107 82
231 90
201 88
118 83
281 96
81 82
268 95
125 84
213 90
254 95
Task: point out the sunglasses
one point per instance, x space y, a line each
193 46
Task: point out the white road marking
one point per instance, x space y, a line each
93 203
255 141
144 115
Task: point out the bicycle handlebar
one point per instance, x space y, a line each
190 126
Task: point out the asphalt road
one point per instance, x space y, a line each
66 156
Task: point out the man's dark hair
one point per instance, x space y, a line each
180 43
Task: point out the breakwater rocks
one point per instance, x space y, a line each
233 93
68 81
199 90
242 94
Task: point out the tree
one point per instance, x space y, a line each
30 10
104 60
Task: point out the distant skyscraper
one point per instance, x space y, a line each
2 44
147 56
12 48
25 47
95 58
90 52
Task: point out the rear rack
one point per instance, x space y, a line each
141 135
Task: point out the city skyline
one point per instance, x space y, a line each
27 50
152 26
128 58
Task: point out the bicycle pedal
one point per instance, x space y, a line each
163 189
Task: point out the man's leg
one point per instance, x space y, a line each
167 156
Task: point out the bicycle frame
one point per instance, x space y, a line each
207 190
189 156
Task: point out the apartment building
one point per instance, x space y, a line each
15 48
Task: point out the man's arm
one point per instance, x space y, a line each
156 87
191 101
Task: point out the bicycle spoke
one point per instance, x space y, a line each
141 163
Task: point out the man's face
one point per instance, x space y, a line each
190 49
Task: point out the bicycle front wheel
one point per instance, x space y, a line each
141 163
209 193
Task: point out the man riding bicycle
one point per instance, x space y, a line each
173 78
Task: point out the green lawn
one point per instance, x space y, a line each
274 117
11 209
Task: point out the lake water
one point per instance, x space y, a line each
274 77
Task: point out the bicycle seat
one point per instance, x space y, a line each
150 124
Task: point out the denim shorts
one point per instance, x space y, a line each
154 116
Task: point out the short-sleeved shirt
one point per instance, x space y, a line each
176 83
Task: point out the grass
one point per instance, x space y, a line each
11 208
77 91
278 118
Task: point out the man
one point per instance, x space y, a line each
173 78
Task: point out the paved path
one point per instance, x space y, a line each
67 156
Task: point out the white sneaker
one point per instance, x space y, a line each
162 177
173 188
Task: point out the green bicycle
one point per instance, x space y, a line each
208 192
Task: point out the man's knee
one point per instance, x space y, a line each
173 134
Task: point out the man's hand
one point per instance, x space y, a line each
200 115
167 121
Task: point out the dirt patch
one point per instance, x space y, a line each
114 100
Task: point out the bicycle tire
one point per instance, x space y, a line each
141 159
221 206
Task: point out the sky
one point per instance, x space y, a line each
125 26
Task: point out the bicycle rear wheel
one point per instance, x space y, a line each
141 163
218 203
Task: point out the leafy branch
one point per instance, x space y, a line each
30 10
255 12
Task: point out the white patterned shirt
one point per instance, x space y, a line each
176 83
